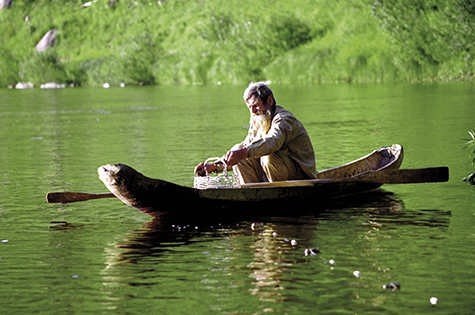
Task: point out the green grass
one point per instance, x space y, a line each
230 41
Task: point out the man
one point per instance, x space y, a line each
277 146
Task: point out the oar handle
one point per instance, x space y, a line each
69 196
407 176
396 176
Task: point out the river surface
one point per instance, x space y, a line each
103 257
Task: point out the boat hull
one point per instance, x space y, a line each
249 200
155 196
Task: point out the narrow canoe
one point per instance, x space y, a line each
156 196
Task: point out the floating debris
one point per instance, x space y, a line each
392 286
470 178
293 242
75 276
59 225
311 251
357 273
332 262
274 234
433 300
4 241
257 226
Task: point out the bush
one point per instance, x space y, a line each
221 41
41 68
8 68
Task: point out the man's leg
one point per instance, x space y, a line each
249 171
279 167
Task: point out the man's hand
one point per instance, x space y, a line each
205 168
233 157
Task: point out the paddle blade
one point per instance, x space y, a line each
68 196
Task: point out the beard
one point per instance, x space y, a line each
260 124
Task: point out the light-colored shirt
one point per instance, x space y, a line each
286 134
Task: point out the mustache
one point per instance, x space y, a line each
266 114
265 118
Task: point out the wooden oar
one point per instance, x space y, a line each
407 176
69 196
397 176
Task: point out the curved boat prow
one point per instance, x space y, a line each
142 192
112 176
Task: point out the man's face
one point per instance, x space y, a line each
256 106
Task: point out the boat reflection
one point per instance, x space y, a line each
168 231
270 247
381 208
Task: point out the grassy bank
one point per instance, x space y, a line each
231 42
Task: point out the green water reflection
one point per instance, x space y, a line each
101 256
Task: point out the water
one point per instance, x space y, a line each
101 256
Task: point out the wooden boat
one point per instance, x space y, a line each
157 196
346 182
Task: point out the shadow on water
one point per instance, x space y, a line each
375 210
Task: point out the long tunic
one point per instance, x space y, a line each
286 134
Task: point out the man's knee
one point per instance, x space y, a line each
249 171
274 167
